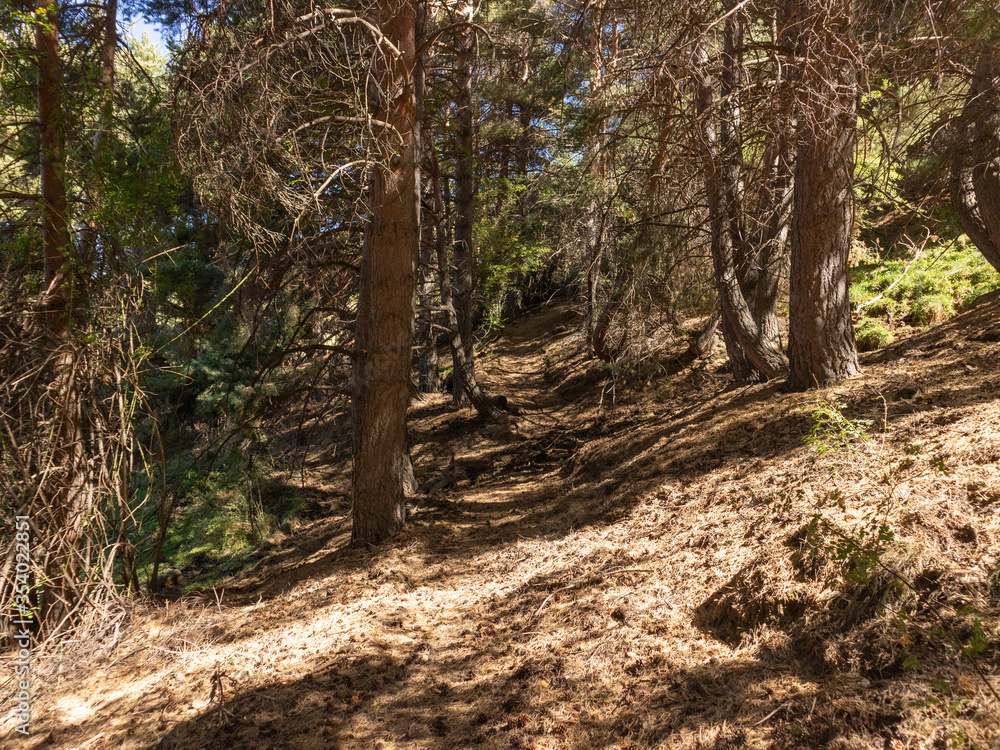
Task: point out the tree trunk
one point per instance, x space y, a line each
740 366
385 303
463 376
523 152
731 248
749 352
62 286
458 299
65 492
773 212
821 345
596 212
602 351
464 252
975 170
428 379
703 342
109 45
595 255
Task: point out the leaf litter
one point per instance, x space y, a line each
673 568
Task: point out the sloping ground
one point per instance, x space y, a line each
664 565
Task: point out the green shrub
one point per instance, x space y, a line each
223 514
832 431
930 309
872 335
899 292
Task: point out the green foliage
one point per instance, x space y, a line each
508 255
832 431
225 513
994 580
856 555
941 686
977 643
939 464
896 296
930 309
872 335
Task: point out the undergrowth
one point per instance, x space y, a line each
832 431
224 514
877 573
898 292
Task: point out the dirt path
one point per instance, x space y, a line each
631 575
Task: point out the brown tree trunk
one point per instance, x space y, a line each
458 299
749 352
463 376
464 251
773 213
731 246
428 379
59 277
740 366
602 351
975 171
109 44
703 342
821 346
595 255
523 150
595 158
65 492
385 303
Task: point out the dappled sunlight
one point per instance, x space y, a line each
643 575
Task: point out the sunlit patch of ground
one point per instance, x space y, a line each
637 573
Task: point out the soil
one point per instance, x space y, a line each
646 557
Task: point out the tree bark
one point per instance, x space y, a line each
61 283
428 379
595 159
749 352
109 44
975 169
385 304
821 347
458 298
602 351
463 375
464 251
65 493
703 342
773 212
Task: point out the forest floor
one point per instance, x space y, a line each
666 562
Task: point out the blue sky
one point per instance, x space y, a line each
139 26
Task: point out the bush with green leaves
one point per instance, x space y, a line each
508 255
514 245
